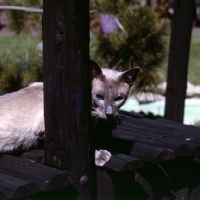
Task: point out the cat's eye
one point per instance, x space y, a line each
99 97
118 99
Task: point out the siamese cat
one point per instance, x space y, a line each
22 112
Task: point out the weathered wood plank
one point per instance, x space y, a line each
195 193
150 153
63 193
183 17
144 131
162 124
13 188
152 139
114 137
177 146
182 194
67 89
124 133
182 172
181 127
125 185
176 130
44 177
121 162
105 191
154 181
36 155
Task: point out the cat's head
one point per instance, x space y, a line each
110 90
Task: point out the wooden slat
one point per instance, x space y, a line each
125 185
136 130
179 148
155 126
160 143
121 162
127 133
172 129
182 172
177 126
36 155
151 153
46 178
13 188
155 181
105 191
195 193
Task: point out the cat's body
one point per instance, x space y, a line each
22 115
21 118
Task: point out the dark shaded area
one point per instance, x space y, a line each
64 193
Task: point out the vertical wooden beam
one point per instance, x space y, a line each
148 2
105 186
184 12
67 88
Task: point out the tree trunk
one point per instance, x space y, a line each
67 88
184 12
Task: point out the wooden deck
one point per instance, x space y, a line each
164 156
152 159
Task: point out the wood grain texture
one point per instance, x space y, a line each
13 188
121 162
183 17
67 94
45 178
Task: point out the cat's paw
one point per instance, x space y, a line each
102 157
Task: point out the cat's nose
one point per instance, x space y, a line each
109 112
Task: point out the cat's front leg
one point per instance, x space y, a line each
102 157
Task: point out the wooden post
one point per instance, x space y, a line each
148 3
67 88
184 12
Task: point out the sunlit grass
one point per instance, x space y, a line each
15 45
194 60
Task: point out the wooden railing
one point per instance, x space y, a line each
152 159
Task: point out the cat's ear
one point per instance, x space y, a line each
95 70
129 76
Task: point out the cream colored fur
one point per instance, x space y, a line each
22 118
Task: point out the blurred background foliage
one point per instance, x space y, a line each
138 41
19 69
20 61
23 23
140 37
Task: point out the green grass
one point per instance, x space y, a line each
20 63
14 46
17 45
194 60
